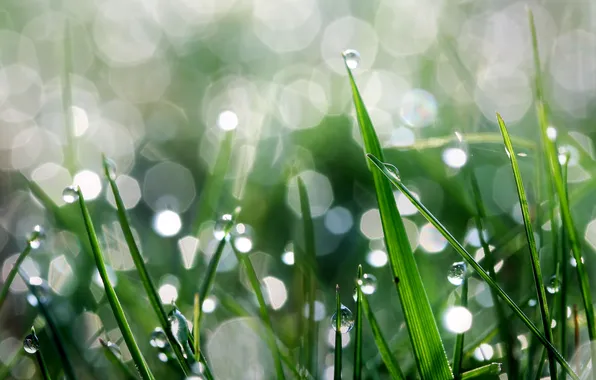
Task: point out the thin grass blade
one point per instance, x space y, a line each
473 263
108 349
337 350
458 351
427 345
129 339
358 327
195 327
564 268
487 370
43 368
12 274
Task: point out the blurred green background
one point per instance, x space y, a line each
165 87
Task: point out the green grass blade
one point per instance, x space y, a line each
338 348
386 355
564 268
108 350
129 339
534 258
487 370
470 138
473 263
427 345
358 327
137 258
458 351
12 274
195 327
43 368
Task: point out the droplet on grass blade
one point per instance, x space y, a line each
241 237
554 285
221 226
70 194
158 338
179 326
457 273
346 320
31 344
37 237
368 283
551 133
393 171
352 58
112 347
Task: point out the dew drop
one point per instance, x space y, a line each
241 237
112 347
111 169
355 293
554 285
37 237
222 226
551 133
368 283
346 320
394 172
70 194
457 273
352 58
158 338
179 326
288 256
31 344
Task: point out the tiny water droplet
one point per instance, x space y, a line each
355 293
532 302
158 338
554 285
37 237
241 237
551 133
394 172
179 326
111 168
222 226
368 283
70 195
114 348
352 58
457 273
346 320
31 344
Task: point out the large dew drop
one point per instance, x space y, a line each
346 320
554 285
457 273
31 344
158 338
393 172
368 283
70 194
37 237
352 58
221 226
179 326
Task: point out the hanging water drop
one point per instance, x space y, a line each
179 326
111 168
368 283
551 133
457 273
352 58
242 237
554 285
346 321
222 226
394 172
37 237
355 293
158 338
70 194
31 343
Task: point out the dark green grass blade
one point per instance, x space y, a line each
427 345
129 339
534 258
338 348
358 328
555 171
473 263
489 369
307 262
196 313
43 368
12 274
458 351
137 258
116 362
244 259
386 355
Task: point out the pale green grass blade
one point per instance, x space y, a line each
487 370
43 368
196 313
154 300
386 355
129 339
358 327
338 348
12 274
427 345
470 138
109 353
470 260
458 351
534 257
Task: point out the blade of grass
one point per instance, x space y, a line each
459 340
386 355
195 327
534 258
427 345
115 305
564 268
473 263
43 368
154 300
13 272
470 138
337 350
489 369
108 350
358 327
555 171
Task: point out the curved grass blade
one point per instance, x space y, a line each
195 328
12 274
358 327
489 369
108 349
534 258
137 258
473 263
43 368
386 355
458 351
427 345
337 350
129 339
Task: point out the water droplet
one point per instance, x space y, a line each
112 347
241 237
179 326
554 285
288 256
111 168
31 343
346 320
158 338
457 273
197 368
222 226
551 133
352 58
70 195
37 237
368 283
393 171
355 293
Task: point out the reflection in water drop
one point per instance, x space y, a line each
31 343
70 195
158 338
352 58
241 237
394 172
368 283
554 285
346 322
37 237
457 273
